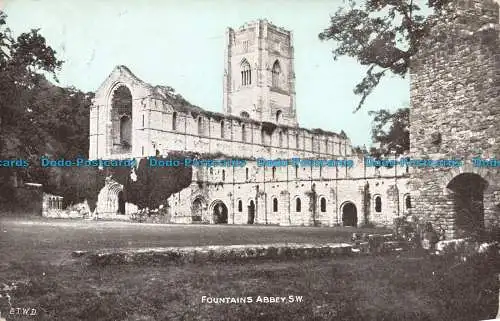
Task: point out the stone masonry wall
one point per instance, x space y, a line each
455 108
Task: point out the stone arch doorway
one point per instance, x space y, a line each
219 212
121 203
251 212
468 207
349 215
197 210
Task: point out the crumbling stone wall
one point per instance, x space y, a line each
455 109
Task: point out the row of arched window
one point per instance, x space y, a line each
378 203
246 73
322 204
244 134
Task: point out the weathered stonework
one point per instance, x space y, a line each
455 114
286 195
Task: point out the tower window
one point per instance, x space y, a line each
246 173
297 141
244 114
280 139
275 205
297 205
274 172
279 116
223 175
296 171
276 74
222 129
243 133
240 206
246 73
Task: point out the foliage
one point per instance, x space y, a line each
391 131
155 184
75 185
382 35
38 118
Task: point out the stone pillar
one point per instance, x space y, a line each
284 208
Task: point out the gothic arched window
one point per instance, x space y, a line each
246 73
276 74
279 116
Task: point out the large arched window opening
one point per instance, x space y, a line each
244 114
246 73
276 74
121 119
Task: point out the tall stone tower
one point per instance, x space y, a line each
455 114
259 79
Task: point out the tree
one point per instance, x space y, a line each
391 131
154 185
382 35
22 60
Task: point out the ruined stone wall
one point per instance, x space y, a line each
337 186
455 108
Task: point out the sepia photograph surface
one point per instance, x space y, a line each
249 160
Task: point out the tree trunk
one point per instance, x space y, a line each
498 314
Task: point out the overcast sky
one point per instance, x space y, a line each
181 44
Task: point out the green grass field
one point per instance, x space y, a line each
395 287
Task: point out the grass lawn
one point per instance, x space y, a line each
405 287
